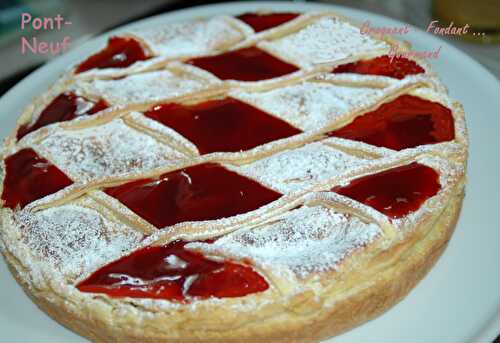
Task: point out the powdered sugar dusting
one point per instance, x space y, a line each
301 168
145 87
305 240
310 105
74 239
107 150
64 243
190 38
326 40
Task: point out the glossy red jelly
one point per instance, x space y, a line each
222 125
29 177
174 273
64 107
248 64
405 122
397 68
261 22
202 192
119 53
394 192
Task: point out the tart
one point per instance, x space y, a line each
274 177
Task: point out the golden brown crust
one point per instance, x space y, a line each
371 297
367 282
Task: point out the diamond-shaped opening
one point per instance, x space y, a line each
66 106
203 192
174 273
225 125
395 67
247 64
264 21
120 52
405 122
30 177
395 192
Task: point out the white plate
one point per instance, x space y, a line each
459 301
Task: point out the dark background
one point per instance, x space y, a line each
91 17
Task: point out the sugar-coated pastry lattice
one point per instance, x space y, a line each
227 157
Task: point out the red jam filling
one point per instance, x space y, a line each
222 125
394 192
261 22
248 64
397 68
174 273
202 192
64 107
29 177
119 53
405 122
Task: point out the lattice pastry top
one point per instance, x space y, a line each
215 172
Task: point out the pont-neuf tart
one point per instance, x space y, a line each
265 177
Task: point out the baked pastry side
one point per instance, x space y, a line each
327 191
